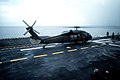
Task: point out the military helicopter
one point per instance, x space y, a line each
77 36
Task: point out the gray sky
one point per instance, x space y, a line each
60 12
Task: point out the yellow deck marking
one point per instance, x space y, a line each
72 50
0 62
14 60
38 56
58 52
84 48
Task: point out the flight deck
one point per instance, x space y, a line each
61 61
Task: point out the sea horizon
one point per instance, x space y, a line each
18 31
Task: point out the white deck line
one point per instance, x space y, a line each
27 49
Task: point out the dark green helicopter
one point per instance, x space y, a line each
77 36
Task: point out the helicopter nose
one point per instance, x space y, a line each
90 37
27 28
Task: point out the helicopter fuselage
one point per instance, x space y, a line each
76 36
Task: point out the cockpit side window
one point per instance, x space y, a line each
73 37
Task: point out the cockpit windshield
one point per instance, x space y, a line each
65 32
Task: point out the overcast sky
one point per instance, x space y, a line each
60 12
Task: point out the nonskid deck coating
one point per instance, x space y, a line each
60 62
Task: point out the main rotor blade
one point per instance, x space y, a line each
26 23
80 27
36 31
33 23
26 32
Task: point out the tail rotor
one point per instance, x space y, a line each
36 31
26 32
33 23
30 27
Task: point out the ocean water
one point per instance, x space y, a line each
18 31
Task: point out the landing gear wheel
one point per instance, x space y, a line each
43 47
